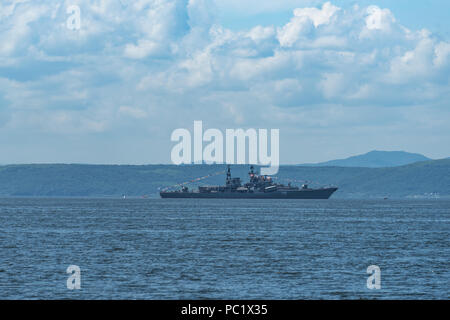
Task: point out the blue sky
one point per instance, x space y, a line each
337 78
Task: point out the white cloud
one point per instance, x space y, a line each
420 63
317 16
260 33
442 54
143 49
17 27
302 22
169 61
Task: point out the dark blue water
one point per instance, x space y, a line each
224 249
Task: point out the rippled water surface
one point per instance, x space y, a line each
224 249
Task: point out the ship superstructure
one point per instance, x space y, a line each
258 187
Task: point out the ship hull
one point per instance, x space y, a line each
324 193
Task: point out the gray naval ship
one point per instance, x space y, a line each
259 187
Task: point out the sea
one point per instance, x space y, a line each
224 249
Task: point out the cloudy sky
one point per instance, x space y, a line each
337 78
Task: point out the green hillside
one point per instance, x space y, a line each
45 180
376 159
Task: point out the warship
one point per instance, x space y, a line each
259 187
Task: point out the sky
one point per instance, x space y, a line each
337 78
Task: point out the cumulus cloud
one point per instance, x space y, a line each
317 16
170 62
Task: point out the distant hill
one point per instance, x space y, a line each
421 179
375 159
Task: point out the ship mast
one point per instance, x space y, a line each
251 174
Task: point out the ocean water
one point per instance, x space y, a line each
224 249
